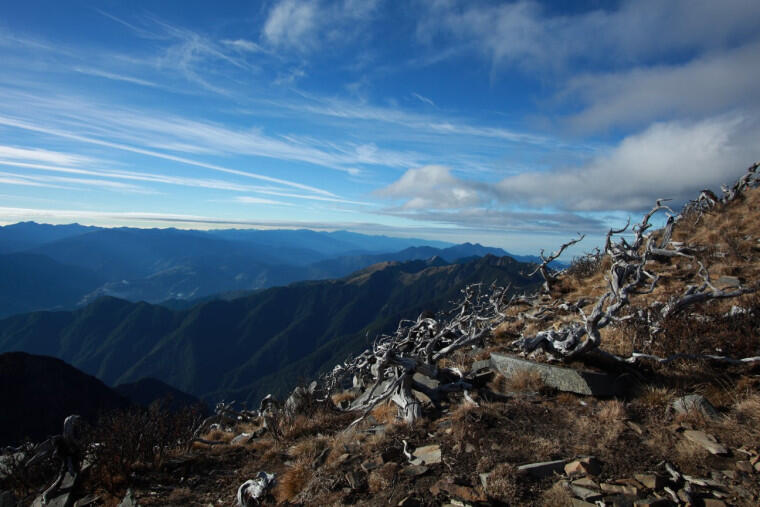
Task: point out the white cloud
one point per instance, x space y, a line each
292 23
56 181
423 99
243 45
305 25
667 160
706 85
115 77
524 33
246 199
40 155
433 187
11 122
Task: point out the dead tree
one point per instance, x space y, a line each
628 275
389 368
543 268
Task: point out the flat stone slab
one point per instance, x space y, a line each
560 378
706 441
544 468
696 402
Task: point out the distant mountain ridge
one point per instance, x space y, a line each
244 348
70 265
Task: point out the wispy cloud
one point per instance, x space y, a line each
523 33
245 199
307 25
72 183
706 85
115 77
423 99
10 122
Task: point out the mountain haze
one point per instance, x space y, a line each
246 347
48 267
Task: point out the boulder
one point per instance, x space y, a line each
584 466
694 402
706 441
558 377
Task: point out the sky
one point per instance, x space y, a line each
513 124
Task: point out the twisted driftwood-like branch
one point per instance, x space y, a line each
549 276
389 368
628 275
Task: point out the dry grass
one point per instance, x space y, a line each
308 448
556 496
180 496
382 478
385 413
526 381
503 484
342 396
293 481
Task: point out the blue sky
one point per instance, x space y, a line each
514 124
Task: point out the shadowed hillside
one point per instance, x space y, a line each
244 348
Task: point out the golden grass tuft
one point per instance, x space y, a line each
526 380
342 396
382 478
556 496
293 481
503 484
385 413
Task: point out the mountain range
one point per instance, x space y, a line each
264 342
66 266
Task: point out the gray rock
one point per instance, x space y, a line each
481 365
87 501
129 500
560 378
544 468
706 441
728 282
427 455
697 402
586 494
241 439
297 400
